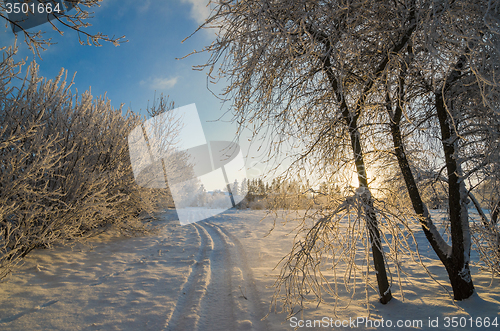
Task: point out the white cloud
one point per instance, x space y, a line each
144 6
199 10
160 83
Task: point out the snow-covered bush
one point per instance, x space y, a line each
486 239
65 171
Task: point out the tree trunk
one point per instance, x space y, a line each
371 222
494 213
455 265
430 231
458 267
371 219
455 258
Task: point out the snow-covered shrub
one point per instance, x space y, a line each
65 171
486 238
218 200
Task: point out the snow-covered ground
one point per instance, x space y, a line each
213 275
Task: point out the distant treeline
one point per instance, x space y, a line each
287 194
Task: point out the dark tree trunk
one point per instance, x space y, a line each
371 219
371 222
494 213
458 271
351 120
458 267
413 192
454 259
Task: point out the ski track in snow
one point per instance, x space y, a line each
211 275
253 305
220 292
186 313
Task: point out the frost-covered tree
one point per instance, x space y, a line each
77 18
291 70
235 188
244 187
324 81
65 171
444 82
201 196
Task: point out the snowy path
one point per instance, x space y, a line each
220 290
187 309
213 275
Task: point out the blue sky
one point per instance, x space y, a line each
132 72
